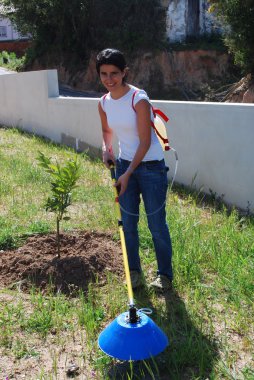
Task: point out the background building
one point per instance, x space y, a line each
189 18
8 31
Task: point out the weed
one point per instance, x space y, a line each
21 350
7 241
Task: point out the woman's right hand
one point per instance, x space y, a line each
108 155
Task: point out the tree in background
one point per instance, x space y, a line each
239 15
128 25
53 24
79 26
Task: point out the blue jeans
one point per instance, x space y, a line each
149 179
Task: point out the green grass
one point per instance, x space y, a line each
208 317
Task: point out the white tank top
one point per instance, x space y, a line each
122 119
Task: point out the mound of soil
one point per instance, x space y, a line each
85 257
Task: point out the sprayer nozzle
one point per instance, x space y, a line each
133 317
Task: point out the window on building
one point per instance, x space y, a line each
3 31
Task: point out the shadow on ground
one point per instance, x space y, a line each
190 354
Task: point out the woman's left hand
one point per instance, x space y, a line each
122 183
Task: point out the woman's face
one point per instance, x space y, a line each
111 77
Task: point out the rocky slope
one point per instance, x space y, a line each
201 75
175 75
242 91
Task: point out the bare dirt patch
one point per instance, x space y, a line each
85 257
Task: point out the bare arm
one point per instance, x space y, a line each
107 135
144 131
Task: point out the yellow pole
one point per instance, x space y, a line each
122 237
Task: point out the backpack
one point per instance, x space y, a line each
161 132
158 124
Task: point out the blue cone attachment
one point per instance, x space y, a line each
132 341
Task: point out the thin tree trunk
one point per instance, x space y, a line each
58 236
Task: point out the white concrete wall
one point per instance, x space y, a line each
215 144
214 141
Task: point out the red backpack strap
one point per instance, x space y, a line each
132 100
156 111
103 99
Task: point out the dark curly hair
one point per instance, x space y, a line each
110 57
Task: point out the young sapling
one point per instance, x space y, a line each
63 180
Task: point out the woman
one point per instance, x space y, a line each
140 167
